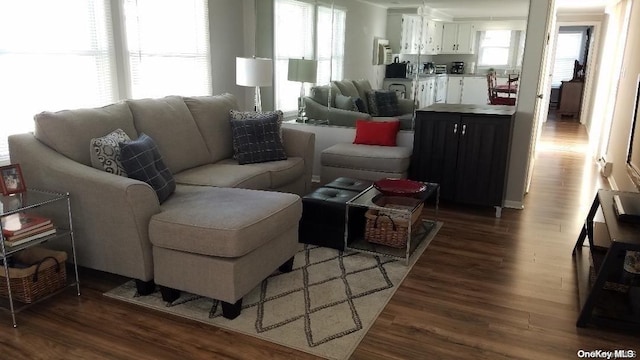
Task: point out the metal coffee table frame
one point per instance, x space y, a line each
365 199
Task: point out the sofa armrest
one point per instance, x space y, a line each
405 106
301 144
110 213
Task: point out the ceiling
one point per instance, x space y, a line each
492 8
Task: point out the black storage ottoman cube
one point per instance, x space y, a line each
323 213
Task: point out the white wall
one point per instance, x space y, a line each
364 23
623 111
523 126
227 39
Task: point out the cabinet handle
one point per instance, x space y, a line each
422 89
464 129
455 128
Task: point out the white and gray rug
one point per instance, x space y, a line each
324 306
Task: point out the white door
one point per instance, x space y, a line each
454 90
441 89
466 35
474 90
540 112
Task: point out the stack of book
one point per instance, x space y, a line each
20 228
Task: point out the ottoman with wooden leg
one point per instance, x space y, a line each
224 243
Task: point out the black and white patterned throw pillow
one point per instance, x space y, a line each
257 140
105 152
142 161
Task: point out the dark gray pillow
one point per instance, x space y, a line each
383 103
142 161
257 140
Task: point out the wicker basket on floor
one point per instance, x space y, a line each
391 228
46 274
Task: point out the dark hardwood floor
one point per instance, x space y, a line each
485 288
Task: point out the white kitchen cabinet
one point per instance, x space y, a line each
475 90
430 91
458 38
410 34
431 37
454 90
440 89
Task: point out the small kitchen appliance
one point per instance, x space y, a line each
428 68
396 69
457 67
441 69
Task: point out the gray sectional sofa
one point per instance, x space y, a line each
339 114
220 209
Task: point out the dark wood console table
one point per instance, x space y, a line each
599 303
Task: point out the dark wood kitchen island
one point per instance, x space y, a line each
464 148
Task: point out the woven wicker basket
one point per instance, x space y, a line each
391 228
46 275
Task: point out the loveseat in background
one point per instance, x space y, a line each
111 213
317 105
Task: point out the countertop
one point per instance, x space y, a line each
471 109
412 77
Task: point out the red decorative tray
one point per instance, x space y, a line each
399 187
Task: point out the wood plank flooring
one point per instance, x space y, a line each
486 288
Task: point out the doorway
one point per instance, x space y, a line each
571 53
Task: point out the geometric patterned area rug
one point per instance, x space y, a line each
324 306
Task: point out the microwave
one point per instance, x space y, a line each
396 70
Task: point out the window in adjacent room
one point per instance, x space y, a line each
495 48
168 47
54 55
291 45
318 35
569 47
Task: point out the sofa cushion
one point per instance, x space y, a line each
363 86
70 131
346 103
347 88
226 173
258 140
383 133
281 172
211 114
390 159
383 103
142 161
320 94
105 152
250 219
168 121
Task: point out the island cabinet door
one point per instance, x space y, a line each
482 159
435 150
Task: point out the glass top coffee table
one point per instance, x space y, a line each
371 200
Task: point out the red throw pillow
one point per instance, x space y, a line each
376 132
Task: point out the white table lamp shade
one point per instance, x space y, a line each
254 71
302 70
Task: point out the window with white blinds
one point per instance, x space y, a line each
330 44
316 36
168 47
54 55
494 48
58 55
568 49
290 44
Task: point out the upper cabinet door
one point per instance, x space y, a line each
449 38
466 37
458 38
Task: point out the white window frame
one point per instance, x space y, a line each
563 65
286 90
515 52
99 31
